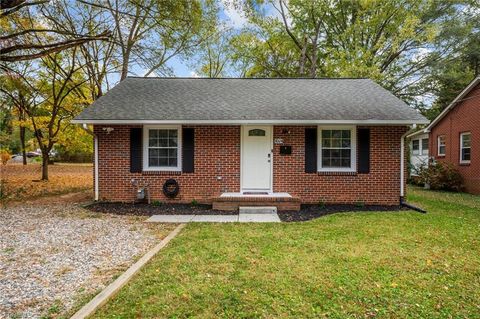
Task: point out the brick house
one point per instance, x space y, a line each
455 136
228 142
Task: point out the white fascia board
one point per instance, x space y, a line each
452 105
417 133
244 122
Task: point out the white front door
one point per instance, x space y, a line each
256 172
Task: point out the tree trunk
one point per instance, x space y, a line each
45 160
22 144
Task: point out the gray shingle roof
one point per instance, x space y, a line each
229 100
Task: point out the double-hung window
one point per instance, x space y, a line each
425 146
465 147
337 149
416 147
162 148
441 145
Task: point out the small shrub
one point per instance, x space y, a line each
442 176
321 204
5 156
157 203
360 204
194 202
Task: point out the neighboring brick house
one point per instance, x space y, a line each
455 136
251 141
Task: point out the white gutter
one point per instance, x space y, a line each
95 160
402 161
238 122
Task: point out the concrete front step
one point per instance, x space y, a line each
234 203
257 210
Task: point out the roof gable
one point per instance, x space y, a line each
454 103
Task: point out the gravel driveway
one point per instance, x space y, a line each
52 255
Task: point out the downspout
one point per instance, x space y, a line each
95 158
402 162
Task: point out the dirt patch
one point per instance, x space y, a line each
69 198
21 182
142 209
309 212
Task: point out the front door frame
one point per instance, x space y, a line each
242 143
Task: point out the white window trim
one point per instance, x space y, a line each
438 145
177 168
353 147
419 151
461 147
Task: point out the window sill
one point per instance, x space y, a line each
172 172
337 173
464 164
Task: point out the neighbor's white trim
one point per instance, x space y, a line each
353 149
145 166
256 122
453 104
242 143
461 147
419 132
444 144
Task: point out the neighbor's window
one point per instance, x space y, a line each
415 147
441 145
337 149
162 148
425 146
465 147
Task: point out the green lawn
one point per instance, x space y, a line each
350 265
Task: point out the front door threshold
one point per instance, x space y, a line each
255 193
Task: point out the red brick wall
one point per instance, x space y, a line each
464 117
380 186
217 153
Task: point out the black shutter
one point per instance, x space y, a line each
363 139
188 150
136 150
310 150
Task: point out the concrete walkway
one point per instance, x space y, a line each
241 218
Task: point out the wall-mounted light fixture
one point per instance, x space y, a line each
108 129
285 131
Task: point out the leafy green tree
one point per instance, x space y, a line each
393 42
62 93
447 78
18 96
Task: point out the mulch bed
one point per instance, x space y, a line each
143 209
309 212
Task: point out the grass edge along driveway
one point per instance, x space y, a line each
384 265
